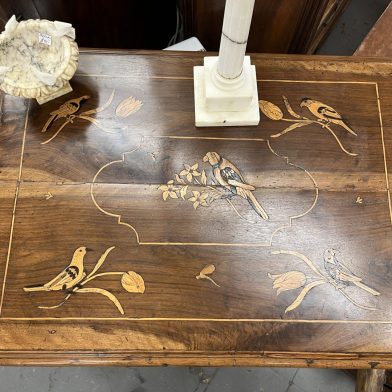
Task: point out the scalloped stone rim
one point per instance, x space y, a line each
36 88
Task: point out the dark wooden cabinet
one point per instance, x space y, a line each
278 26
129 24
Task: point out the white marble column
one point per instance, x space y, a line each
226 86
235 32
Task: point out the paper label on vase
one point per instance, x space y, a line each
44 39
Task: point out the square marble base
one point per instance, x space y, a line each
249 115
58 93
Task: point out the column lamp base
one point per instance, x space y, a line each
225 102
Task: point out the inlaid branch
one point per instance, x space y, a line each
73 278
335 273
70 112
225 183
325 117
207 270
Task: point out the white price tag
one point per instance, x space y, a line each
44 39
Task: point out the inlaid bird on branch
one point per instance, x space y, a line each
229 176
341 274
66 110
68 278
326 113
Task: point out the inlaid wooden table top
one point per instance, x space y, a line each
128 236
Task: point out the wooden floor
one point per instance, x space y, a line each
244 246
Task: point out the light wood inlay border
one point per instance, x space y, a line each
384 152
14 207
219 320
190 319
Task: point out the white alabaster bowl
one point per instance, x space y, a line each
37 58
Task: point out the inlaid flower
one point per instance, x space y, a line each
199 199
190 172
169 190
288 281
128 106
133 282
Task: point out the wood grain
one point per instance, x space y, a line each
370 380
132 188
302 24
377 43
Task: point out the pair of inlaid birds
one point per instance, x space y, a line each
74 274
325 113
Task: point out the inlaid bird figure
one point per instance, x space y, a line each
229 176
66 110
326 113
68 278
341 274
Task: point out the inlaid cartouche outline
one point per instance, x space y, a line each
256 245
161 77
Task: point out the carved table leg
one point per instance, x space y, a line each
370 380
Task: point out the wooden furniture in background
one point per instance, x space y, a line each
166 265
278 26
333 10
378 41
370 380
131 24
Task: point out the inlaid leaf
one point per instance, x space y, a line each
100 261
180 180
289 108
101 108
208 270
105 293
290 128
183 192
303 293
270 110
215 196
133 282
128 106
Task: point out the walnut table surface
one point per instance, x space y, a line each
130 237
